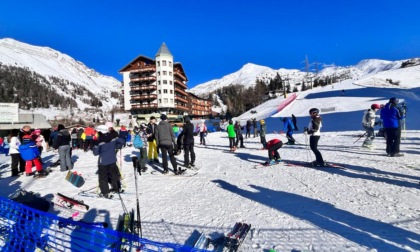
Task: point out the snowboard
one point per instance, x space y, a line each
69 203
75 178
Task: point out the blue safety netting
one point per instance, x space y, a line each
26 229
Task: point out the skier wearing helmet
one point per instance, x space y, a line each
313 130
369 121
263 130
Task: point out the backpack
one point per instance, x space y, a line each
138 142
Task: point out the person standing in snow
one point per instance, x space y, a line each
123 134
391 117
73 136
263 130
188 143
288 127
28 140
165 140
79 138
141 132
89 133
248 129
232 135
273 147
202 130
62 143
14 153
107 162
239 136
314 130
151 140
369 121
254 125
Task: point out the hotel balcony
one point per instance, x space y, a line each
143 79
144 69
144 97
180 107
181 91
144 106
181 99
136 87
178 73
180 83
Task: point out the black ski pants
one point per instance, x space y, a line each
273 151
189 149
168 149
393 138
313 142
108 172
17 161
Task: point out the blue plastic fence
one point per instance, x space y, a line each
26 229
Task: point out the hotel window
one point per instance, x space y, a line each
170 82
165 100
159 73
158 82
164 72
158 63
160 92
165 91
170 63
170 91
163 62
160 100
172 100
170 73
165 82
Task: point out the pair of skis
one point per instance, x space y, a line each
233 240
69 203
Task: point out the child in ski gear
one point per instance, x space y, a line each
62 143
176 130
202 130
232 135
391 117
165 140
14 153
29 151
141 133
313 130
107 162
188 142
273 154
263 130
288 127
369 121
89 133
239 136
153 151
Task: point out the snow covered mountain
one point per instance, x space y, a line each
51 63
249 73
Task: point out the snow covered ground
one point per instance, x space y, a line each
371 205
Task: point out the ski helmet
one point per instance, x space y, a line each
393 100
314 110
230 122
375 106
262 121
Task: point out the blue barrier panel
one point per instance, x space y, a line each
26 229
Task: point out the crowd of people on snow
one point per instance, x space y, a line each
26 145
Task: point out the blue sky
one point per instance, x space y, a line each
215 38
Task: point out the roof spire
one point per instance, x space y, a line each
163 50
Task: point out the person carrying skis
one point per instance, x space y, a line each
288 127
313 130
232 135
263 130
391 117
187 134
369 121
273 147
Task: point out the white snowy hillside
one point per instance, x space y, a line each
370 204
249 73
49 62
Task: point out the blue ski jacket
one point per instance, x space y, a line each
391 116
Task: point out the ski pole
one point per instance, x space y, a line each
360 138
135 165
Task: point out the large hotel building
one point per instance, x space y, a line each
158 86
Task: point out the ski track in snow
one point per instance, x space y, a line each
372 204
